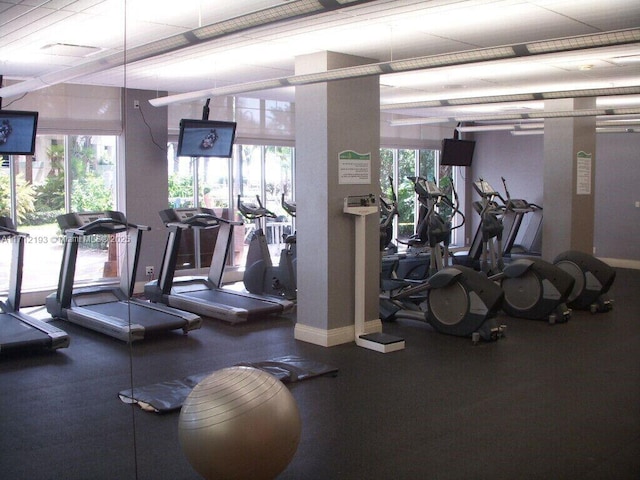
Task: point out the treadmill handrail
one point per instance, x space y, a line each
7 228
209 216
197 217
13 233
252 211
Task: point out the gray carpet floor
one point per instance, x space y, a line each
546 402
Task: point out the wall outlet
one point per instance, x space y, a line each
136 104
149 271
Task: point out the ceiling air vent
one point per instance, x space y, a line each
69 50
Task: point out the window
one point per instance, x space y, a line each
67 173
397 165
254 170
266 171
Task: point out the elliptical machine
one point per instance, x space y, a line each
260 275
454 300
428 248
593 279
516 209
388 210
533 288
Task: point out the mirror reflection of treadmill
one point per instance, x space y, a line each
19 331
110 309
206 296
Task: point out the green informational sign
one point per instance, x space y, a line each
354 168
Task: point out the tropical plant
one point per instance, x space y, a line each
180 186
90 194
50 194
25 196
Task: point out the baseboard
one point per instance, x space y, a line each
622 263
333 337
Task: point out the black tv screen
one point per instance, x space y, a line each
206 138
18 132
457 152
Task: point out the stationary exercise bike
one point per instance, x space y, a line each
455 300
260 275
290 238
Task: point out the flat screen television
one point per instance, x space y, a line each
457 152
206 138
18 132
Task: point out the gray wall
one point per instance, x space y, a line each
617 183
617 219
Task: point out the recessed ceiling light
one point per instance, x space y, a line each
586 67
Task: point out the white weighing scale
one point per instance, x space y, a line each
360 206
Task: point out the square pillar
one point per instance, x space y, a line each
569 179
333 117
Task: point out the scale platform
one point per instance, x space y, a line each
380 342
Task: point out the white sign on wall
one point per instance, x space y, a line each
354 168
583 173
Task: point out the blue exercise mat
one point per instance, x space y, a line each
168 396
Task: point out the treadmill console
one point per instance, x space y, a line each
518 204
93 222
194 217
484 189
432 189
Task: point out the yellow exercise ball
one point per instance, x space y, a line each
239 423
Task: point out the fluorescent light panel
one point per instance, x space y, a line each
598 130
499 127
592 92
450 59
596 40
261 17
518 116
433 61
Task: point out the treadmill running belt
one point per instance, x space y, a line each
134 313
16 334
253 305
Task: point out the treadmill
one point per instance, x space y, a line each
19 331
110 309
206 295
